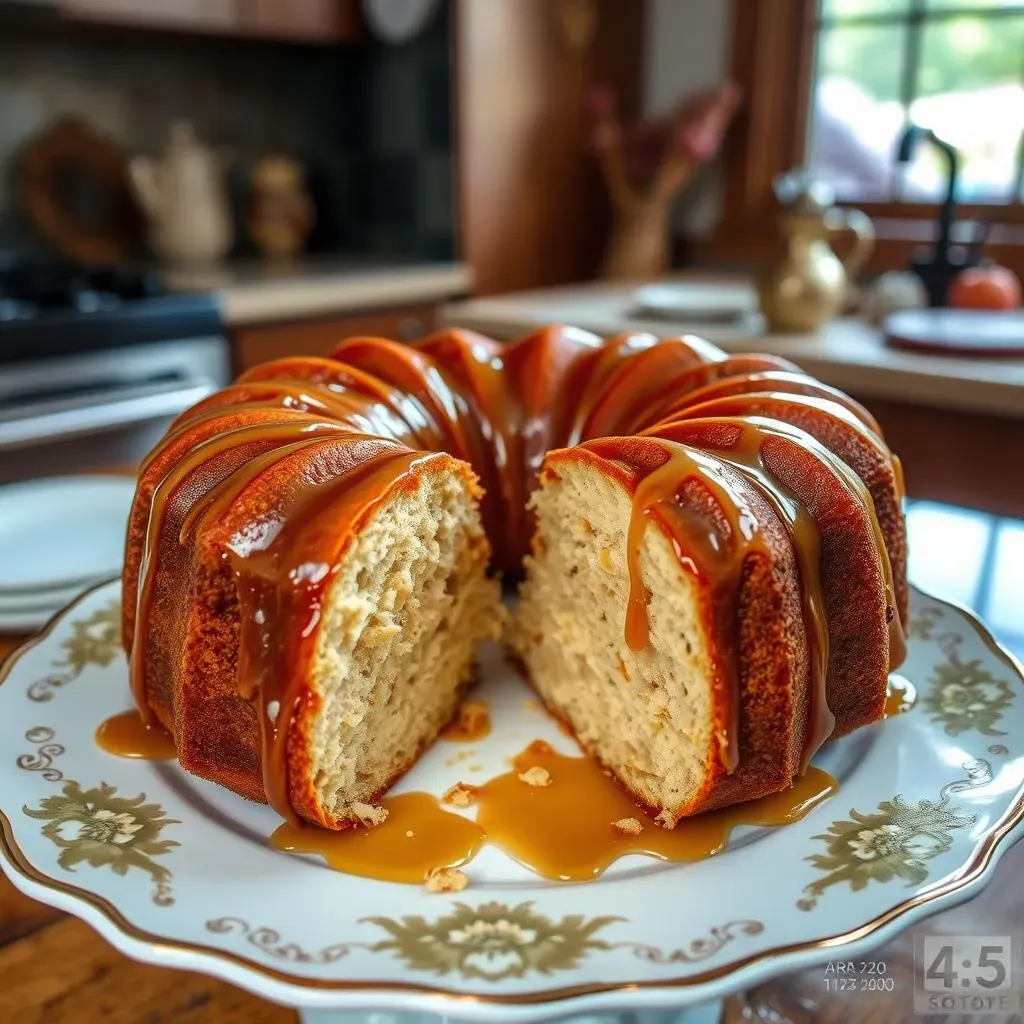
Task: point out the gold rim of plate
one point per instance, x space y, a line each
968 874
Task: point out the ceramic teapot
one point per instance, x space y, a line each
808 283
184 197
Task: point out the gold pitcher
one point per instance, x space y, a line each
809 283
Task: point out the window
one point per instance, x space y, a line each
954 66
831 84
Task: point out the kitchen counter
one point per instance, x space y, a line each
846 353
957 423
254 292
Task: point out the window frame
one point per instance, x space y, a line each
772 60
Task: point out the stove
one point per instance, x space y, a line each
49 308
95 363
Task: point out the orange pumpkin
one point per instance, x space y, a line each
985 287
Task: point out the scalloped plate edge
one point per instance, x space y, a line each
663 993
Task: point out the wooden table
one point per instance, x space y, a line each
55 969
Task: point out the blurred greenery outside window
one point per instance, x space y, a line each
955 66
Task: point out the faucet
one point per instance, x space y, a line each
937 268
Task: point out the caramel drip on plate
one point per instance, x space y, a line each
900 696
439 839
127 735
567 830
570 829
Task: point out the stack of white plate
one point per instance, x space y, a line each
59 536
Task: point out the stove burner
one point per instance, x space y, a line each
33 287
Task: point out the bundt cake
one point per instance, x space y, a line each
713 546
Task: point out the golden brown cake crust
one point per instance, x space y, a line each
495 410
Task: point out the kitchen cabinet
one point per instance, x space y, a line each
320 21
194 15
533 210
313 20
254 345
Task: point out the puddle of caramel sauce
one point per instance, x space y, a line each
900 697
472 722
565 830
126 735
387 851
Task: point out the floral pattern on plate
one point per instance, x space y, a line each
907 831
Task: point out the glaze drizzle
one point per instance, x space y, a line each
377 409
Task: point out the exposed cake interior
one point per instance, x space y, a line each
647 715
396 644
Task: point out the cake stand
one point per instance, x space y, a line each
176 871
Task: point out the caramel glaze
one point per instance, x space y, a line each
199 473
716 556
279 622
387 851
564 831
127 735
767 382
499 408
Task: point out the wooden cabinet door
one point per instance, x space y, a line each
201 15
533 210
255 345
304 20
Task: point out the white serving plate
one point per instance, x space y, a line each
699 302
59 533
176 871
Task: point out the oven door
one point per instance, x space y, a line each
101 411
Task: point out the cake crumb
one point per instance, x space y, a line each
473 717
446 880
536 776
666 819
462 755
368 815
475 768
628 826
530 705
409 833
459 795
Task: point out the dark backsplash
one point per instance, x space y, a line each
371 123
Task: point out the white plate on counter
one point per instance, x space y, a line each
58 537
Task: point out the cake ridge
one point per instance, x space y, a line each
500 423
